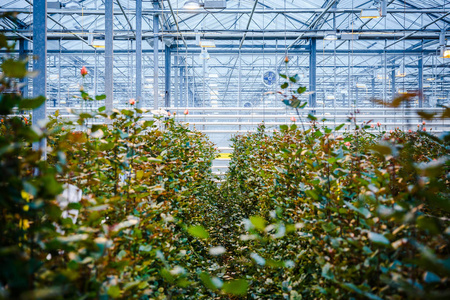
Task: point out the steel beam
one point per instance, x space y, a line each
86 12
176 99
23 54
314 23
139 53
167 83
420 79
250 51
40 66
248 24
109 55
393 83
155 56
236 35
312 73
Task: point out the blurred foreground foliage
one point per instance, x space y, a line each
128 208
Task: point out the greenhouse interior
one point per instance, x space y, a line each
225 149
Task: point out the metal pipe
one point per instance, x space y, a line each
155 57
125 15
176 100
138 53
312 73
167 67
40 66
109 56
420 79
65 11
314 22
176 22
248 24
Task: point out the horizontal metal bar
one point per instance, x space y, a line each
65 11
362 109
236 35
247 51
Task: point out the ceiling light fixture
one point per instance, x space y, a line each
207 44
370 13
98 43
330 37
445 52
192 4
402 71
204 54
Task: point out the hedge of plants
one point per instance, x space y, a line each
335 216
127 208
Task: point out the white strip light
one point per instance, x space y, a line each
207 44
370 13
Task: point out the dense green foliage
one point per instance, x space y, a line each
306 213
343 214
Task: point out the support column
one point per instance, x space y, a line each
420 79
109 55
312 73
23 54
394 92
167 66
139 53
373 91
182 91
155 56
176 99
240 80
204 83
40 64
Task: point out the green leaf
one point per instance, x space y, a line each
326 271
3 41
283 76
301 89
284 127
429 224
236 287
100 97
148 124
382 149
31 103
362 210
198 231
339 127
311 117
258 222
96 127
166 275
318 134
284 85
295 103
85 115
378 238
102 108
206 279
114 291
293 79
14 68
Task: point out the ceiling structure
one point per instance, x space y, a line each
342 58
